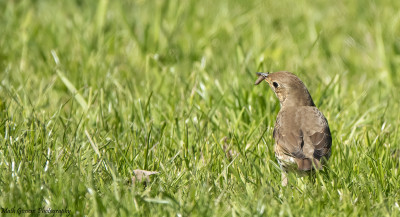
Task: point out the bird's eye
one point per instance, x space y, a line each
276 85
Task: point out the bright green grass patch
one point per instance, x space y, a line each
92 90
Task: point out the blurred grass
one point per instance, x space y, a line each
91 90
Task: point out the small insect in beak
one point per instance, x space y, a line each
261 77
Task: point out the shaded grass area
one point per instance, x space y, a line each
92 90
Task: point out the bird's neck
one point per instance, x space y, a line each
303 99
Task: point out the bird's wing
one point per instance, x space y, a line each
317 136
304 136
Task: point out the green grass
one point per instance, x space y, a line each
92 90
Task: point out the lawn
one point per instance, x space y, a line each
92 90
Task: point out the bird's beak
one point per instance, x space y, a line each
261 76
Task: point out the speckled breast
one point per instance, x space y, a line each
286 162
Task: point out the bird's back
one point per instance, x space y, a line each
302 138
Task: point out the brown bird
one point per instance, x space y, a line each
302 136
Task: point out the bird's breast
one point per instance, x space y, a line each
286 162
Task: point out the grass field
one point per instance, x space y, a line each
92 90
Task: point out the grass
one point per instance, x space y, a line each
92 90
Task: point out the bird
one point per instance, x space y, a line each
302 136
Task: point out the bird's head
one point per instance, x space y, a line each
289 89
